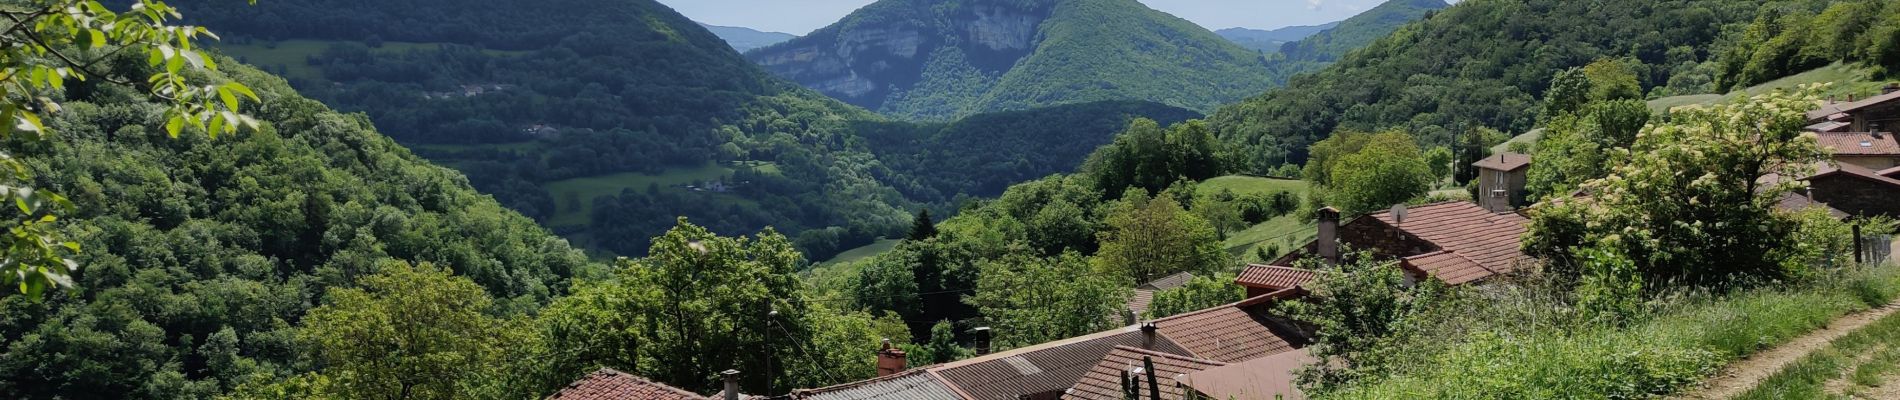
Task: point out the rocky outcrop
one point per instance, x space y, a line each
865 64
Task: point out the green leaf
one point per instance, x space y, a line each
230 100
240 88
98 38
174 124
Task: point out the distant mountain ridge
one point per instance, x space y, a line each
1271 40
1331 44
744 39
936 61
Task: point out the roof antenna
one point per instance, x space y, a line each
1398 213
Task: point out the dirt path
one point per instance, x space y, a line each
1740 376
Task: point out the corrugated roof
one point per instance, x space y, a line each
1267 377
1487 238
1504 162
1829 126
915 384
1860 143
1233 332
608 384
1273 276
1168 282
1045 368
1103 382
1448 267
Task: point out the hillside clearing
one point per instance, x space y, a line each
863 252
1847 79
293 56
574 198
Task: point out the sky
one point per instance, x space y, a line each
803 16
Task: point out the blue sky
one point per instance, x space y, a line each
802 16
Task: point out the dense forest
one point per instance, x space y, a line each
1484 63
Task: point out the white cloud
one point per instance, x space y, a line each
1313 5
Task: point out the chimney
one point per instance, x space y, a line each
982 340
890 360
1148 330
1329 235
732 384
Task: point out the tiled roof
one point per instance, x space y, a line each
1487 238
1796 202
608 384
1504 162
1827 111
1168 282
1846 169
1139 302
1103 382
1267 377
1448 267
1860 144
915 384
1273 276
1044 368
1233 332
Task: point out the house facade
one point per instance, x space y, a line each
1501 181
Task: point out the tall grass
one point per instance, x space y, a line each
1523 342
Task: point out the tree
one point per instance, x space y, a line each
408 333
943 346
1568 92
1028 300
1199 293
1151 238
922 227
1151 158
1387 170
1612 79
699 303
1692 205
1360 307
1440 159
51 41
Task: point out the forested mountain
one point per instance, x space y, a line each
936 60
1344 36
200 254
1482 63
1270 40
561 103
743 39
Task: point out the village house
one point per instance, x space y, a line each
1501 181
1856 190
1860 132
1145 293
1455 242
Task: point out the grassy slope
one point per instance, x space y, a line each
1846 78
863 252
1286 231
1863 359
1521 347
586 189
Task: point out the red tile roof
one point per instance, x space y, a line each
608 384
1448 267
1860 143
1504 162
1273 276
1103 382
1044 368
1234 332
1267 377
1796 202
1486 238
